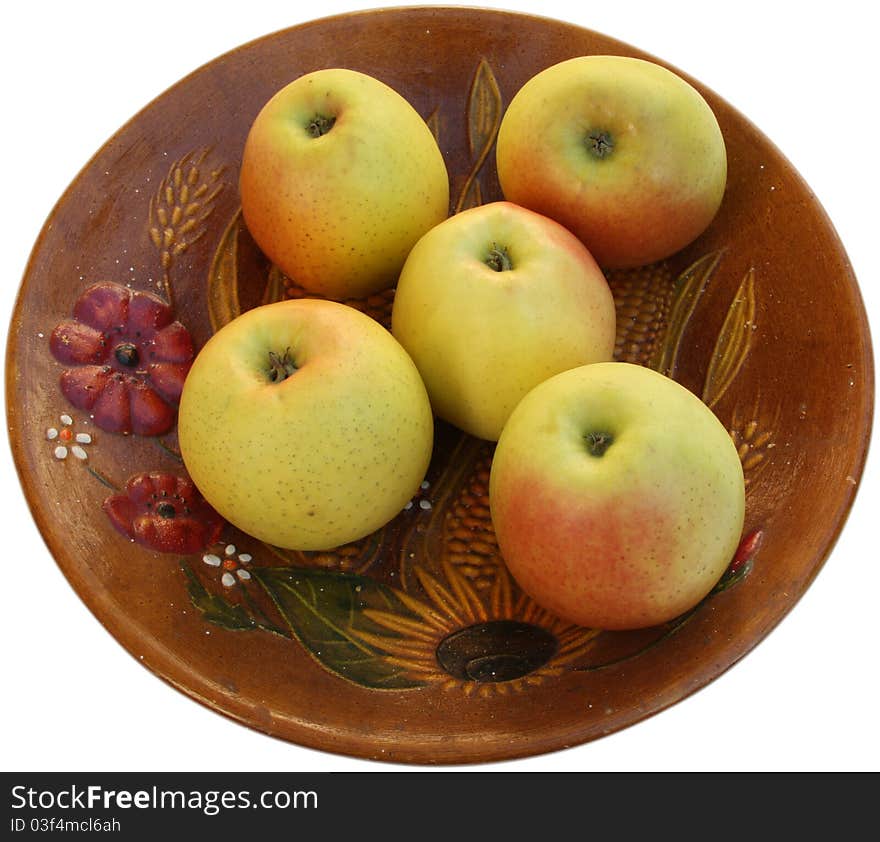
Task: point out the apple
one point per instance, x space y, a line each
617 496
305 424
339 178
623 152
491 302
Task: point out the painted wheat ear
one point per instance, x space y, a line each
754 439
181 207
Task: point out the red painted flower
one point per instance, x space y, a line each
130 356
164 512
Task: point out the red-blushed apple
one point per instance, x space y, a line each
617 496
623 152
305 424
491 302
340 176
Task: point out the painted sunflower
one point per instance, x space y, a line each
486 643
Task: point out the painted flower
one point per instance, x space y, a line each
420 500
67 440
463 641
233 565
128 359
164 512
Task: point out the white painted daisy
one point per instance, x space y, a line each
66 441
232 563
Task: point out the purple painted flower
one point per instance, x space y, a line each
129 359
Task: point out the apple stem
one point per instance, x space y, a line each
598 443
498 259
320 125
280 368
599 143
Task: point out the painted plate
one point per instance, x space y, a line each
412 645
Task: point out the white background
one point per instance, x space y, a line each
806 698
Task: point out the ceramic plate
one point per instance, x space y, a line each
412 645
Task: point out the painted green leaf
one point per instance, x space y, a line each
214 608
732 576
327 612
743 561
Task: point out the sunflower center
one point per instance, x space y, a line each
499 650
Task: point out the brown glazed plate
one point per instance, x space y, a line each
414 645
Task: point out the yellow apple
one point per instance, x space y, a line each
493 301
305 424
623 152
617 496
339 178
